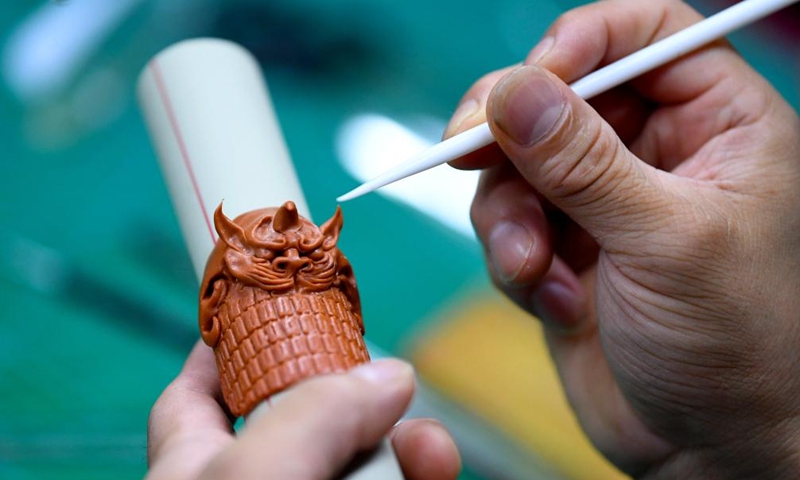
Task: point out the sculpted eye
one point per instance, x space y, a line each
316 255
263 255
262 230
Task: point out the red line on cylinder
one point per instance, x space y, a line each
162 91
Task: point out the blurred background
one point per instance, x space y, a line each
97 292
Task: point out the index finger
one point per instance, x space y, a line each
595 35
188 425
686 103
590 37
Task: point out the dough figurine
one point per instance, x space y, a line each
278 303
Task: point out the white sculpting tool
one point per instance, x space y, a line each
608 77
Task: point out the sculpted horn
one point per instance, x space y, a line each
286 217
228 231
331 228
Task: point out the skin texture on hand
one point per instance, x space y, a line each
310 433
656 232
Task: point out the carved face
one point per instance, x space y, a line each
278 303
277 250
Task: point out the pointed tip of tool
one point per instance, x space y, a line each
370 186
355 193
450 149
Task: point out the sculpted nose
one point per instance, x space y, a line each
291 261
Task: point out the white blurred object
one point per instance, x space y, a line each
47 49
369 144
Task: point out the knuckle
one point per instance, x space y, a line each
481 212
163 404
567 18
158 415
581 16
585 168
475 216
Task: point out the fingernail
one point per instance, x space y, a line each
508 247
529 106
542 49
464 112
558 306
384 371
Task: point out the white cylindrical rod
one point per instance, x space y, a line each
217 138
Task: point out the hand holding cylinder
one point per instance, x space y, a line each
217 139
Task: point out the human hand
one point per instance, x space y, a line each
656 232
311 432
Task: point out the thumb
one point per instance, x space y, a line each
562 147
315 428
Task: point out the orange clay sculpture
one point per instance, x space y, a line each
278 303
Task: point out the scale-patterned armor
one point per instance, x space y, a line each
278 303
